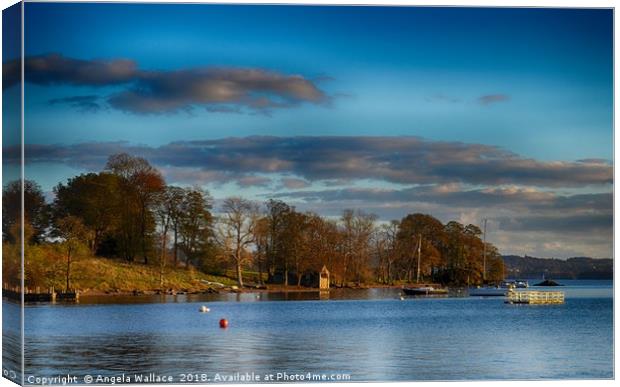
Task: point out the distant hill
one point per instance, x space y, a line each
571 268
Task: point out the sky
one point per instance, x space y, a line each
463 113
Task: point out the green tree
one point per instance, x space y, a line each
139 184
36 211
95 199
195 224
276 256
294 244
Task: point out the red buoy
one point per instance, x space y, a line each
223 323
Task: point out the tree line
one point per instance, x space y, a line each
127 211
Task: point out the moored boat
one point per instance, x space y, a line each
521 284
497 291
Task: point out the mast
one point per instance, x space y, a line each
419 256
484 253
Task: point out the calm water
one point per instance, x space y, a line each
368 334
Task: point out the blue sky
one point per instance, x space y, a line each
533 83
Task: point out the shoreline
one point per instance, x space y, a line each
232 290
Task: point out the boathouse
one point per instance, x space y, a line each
324 278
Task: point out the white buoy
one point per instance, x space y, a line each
204 309
402 298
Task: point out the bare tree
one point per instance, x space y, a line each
358 228
386 249
238 221
73 233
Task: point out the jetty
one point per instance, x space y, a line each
534 297
37 294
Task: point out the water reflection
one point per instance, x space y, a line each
378 338
333 294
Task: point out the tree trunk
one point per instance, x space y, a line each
286 274
260 269
68 269
162 262
239 275
176 246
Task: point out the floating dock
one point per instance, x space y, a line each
534 297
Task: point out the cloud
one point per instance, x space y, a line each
292 183
520 220
192 176
154 92
84 103
391 177
572 223
400 160
11 73
493 98
253 181
516 199
53 69
258 89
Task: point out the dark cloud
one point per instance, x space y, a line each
402 160
57 69
493 98
158 92
11 73
84 103
152 92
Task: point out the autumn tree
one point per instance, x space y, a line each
423 232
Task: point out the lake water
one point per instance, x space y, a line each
369 335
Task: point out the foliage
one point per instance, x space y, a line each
128 212
36 211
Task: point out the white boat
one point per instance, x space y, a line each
521 284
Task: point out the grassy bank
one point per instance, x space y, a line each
104 275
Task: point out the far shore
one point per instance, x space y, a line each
245 289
